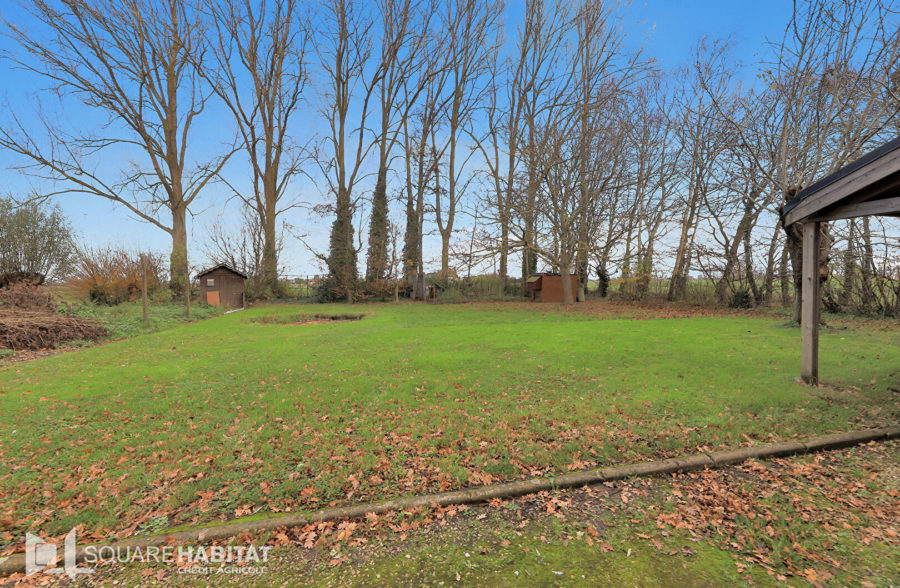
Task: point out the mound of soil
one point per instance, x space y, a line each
26 296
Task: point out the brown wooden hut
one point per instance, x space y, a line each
549 287
222 286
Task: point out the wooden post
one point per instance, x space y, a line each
144 288
810 304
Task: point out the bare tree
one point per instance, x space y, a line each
260 74
471 29
406 26
518 91
826 97
244 248
136 63
575 145
351 80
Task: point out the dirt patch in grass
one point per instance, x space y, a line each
305 319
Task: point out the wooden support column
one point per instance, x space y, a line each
810 304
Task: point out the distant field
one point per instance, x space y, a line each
250 413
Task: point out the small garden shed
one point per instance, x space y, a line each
222 286
549 287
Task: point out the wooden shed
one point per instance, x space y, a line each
549 287
868 186
222 286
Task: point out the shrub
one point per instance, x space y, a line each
382 289
35 241
112 276
741 299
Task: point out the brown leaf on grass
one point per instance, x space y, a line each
345 530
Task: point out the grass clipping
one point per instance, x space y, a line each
29 321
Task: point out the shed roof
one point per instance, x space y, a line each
867 186
221 266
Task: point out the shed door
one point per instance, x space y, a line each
212 297
238 299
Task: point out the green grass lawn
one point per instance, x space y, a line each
231 416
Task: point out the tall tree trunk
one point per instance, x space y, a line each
565 272
731 258
783 276
867 266
178 260
748 265
794 248
769 282
269 262
504 253
411 246
529 259
677 286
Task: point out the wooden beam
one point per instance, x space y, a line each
872 207
848 185
810 304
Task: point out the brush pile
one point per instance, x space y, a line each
28 320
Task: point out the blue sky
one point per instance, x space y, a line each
667 29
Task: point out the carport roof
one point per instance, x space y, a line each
868 186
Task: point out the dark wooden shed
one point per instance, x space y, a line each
869 186
549 287
222 286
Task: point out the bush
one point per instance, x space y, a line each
741 299
381 289
35 240
111 276
327 290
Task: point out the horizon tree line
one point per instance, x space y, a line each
568 149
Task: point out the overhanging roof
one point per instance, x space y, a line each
868 186
221 266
